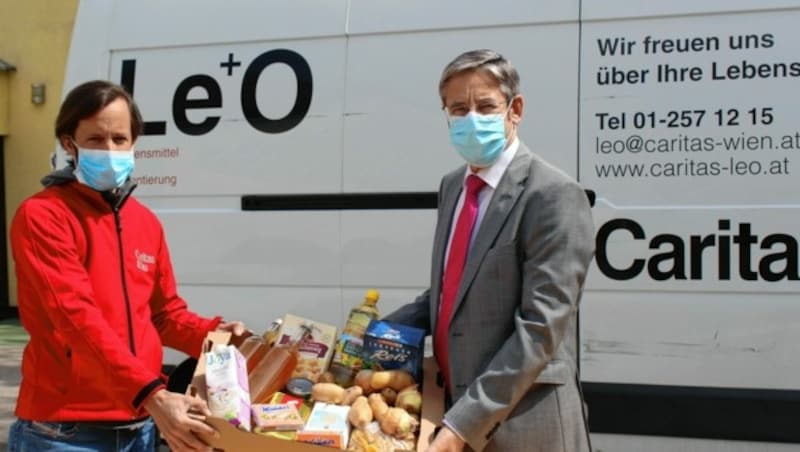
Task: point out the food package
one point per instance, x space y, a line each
327 426
303 409
226 383
278 417
389 346
315 354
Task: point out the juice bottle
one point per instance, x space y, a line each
274 369
254 347
347 355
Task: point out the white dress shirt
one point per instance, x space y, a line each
491 175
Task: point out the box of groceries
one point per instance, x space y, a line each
358 418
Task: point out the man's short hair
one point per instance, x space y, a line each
488 61
87 99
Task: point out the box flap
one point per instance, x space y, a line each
198 384
432 404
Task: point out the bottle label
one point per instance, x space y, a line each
357 323
353 347
348 351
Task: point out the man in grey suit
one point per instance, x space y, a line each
510 256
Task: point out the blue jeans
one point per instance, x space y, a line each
33 436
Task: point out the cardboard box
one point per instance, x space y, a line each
234 440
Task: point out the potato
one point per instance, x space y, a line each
398 423
409 399
360 413
380 379
389 394
351 394
378 405
327 393
363 379
395 379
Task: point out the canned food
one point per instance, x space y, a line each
300 387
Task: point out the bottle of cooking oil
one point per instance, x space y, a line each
274 369
254 347
347 355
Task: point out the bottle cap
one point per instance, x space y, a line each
372 296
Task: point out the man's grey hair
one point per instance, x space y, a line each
486 60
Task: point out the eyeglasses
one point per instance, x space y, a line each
484 107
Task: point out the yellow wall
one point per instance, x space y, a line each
4 76
35 37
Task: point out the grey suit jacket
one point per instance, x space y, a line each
513 333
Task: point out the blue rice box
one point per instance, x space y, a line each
390 346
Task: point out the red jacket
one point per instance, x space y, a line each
97 295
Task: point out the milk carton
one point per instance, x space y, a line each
226 382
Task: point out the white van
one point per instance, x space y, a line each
293 151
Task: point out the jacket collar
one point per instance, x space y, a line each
505 197
115 199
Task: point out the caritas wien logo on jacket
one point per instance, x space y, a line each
144 260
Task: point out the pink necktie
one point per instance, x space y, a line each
459 246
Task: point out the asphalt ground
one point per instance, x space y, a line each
12 340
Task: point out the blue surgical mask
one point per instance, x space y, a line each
104 170
479 139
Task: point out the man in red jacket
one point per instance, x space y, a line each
97 294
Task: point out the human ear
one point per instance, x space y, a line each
517 106
68 144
